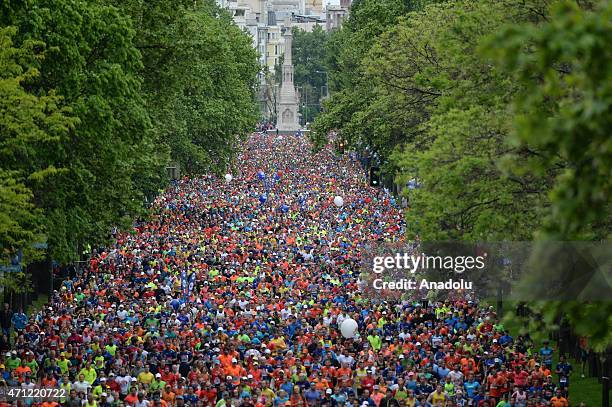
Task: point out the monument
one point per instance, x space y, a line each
287 107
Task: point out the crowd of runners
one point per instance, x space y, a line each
232 293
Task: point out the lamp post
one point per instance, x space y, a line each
326 82
304 94
305 106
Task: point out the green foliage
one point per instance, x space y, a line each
16 283
434 107
90 60
453 105
31 126
199 74
351 93
309 54
98 97
564 112
18 220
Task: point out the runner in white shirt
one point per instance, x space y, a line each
81 385
124 381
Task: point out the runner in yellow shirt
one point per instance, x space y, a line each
146 377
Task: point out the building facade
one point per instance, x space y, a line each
265 21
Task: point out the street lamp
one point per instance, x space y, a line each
304 93
326 82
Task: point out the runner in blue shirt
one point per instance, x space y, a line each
564 369
471 385
546 352
19 320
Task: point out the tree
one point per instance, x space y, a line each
142 82
308 52
29 125
217 103
94 175
346 49
112 90
19 223
564 69
447 114
199 74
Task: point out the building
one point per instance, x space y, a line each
336 14
264 20
313 7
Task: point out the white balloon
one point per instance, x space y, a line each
338 201
348 328
228 177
